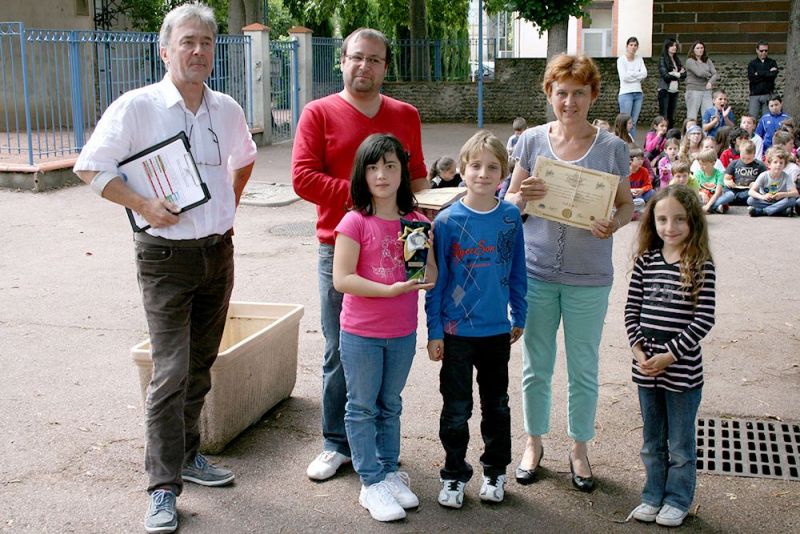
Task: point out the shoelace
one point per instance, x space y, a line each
403 477
492 480
327 456
200 462
453 485
384 493
161 500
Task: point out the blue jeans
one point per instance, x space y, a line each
669 450
773 208
732 196
489 355
376 371
631 103
334 390
583 310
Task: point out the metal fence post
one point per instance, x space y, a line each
296 86
25 91
303 68
437 60
262 88
75 89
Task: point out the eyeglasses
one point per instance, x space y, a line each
371 61
214 139
763 50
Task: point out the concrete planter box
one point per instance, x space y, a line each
256 368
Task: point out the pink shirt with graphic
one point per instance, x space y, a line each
380 260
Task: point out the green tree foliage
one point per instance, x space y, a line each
544 13
280 19
147 15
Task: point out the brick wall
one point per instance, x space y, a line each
517 90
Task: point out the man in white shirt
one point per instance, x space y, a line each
184 261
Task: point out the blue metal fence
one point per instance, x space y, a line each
56 84
284 87
327 75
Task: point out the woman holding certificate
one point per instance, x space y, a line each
569 264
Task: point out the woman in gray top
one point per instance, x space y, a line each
700 78
569 268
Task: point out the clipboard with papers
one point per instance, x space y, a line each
165 170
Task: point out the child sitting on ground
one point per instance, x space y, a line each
708 143
665 163
773 192
655 138
519 125
737 136
641 183
443 173
710 178
738 177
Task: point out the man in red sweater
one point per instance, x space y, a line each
328 134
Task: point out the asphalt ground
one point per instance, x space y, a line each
71 425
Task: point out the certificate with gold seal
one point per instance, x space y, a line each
576 196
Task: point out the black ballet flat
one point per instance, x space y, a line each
585 484
528 476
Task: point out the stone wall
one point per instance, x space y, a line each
517 90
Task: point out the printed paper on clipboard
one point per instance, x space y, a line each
166 170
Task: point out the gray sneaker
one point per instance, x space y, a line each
201 472
161 514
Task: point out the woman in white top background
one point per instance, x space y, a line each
631 71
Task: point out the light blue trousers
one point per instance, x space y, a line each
583 310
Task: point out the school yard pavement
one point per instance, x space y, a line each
71 413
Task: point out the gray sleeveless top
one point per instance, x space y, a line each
564 254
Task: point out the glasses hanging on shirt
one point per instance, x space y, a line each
208 161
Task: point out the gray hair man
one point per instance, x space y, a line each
184 260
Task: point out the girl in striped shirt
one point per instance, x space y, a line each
670 309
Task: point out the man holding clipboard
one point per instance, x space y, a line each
184 258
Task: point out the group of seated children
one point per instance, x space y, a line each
726 168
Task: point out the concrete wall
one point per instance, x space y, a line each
50 14
517 90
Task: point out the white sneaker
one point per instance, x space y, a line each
325 465
399 485
645 513
378 499
452 493
493 488
669 516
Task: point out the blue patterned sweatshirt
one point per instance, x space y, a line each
481 261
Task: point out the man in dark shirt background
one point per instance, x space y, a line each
761 72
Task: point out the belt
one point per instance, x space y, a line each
203 242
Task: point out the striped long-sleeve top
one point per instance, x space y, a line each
661 315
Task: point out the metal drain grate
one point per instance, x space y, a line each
748 448
296 229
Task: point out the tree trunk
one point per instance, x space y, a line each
556 44
792 78
420 55
243 12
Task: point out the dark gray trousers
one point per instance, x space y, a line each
185 289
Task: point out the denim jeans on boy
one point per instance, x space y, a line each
489 355
334 390
772 208
669 451
631 103
376 371
732 197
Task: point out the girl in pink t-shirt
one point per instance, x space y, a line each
379 320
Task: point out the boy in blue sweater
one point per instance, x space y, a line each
480 252
771 121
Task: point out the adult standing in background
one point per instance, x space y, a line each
700 78
569 269
762 72
671 71
184 261
632 71
327 137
